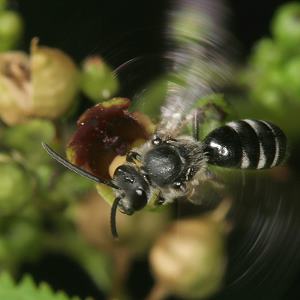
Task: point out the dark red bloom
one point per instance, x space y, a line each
103 132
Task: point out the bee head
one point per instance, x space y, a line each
134 189
133 193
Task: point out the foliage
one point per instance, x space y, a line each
272 78
28 290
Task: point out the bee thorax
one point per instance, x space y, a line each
173 163
163 164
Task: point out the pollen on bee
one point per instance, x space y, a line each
138 143
117 161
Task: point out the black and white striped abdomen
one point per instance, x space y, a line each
246 144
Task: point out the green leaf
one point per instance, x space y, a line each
6 281
28 290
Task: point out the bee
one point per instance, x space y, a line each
172 165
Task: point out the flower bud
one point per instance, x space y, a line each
55 81
11 29
266 55
97 80
26 137
286 26
291 78
267 92
16 187
15 88
189 259
43 84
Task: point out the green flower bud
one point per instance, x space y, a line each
97 80
43 84
269 98
286 26
291 78
11 29
27 139
267 88
16 186
266 54
189 259
44 173
55 81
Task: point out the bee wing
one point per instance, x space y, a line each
197 59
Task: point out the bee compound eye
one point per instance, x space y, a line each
139 199
139 192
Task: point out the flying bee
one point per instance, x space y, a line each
171 165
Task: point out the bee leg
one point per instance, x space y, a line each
200 116
220 113
190 174
133 156
145 175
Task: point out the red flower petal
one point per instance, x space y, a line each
103 132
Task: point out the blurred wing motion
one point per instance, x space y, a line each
197 58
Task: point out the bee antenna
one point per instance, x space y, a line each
113 214
74 168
